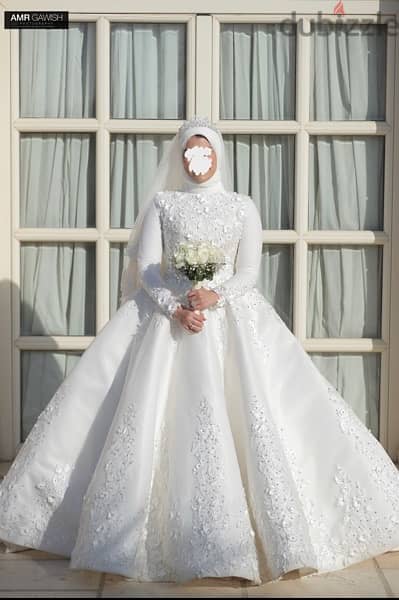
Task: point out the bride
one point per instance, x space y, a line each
196 437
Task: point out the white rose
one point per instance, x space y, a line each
179 255
203 255
191 256
212 255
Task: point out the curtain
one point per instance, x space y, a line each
348 72
58 71
257 71
276 278
148 71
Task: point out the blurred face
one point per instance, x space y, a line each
199 158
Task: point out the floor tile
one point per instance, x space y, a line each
389 560
4 466
29 553
361 580
45 575
392 577
115 586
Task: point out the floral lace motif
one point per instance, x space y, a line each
102 511
277 507
31 524
159 542
382 469
215 217
165 300
221 338
214 542
363 531
215 546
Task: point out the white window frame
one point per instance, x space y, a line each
202 98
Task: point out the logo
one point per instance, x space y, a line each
35 19
339 8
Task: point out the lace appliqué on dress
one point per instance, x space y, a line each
102 509
383 471
221 543
32 524
185 217
277 507
362 530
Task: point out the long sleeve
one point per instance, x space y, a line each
149 257
248 258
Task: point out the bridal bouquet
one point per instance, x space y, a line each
198 261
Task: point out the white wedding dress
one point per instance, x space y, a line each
168 456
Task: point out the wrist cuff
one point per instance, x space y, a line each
221 301
171 307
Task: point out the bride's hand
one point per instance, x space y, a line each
202 298
189 319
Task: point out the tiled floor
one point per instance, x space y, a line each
32 574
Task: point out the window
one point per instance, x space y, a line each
98 104
311 127
306 110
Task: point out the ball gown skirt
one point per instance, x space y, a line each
168 456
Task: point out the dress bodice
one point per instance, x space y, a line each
225 219
216 217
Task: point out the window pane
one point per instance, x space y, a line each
57 180
134 161
346 182
275 279
357 379
58 71
257 71
263 167
41 375
347 71
117 251
345 286
58 288
148 70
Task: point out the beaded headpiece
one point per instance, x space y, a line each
196 121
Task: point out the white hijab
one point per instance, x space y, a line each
171 175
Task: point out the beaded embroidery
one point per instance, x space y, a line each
101 518
221 542
216 217
276 503
31 524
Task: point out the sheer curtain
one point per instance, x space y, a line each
346 175
148 71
